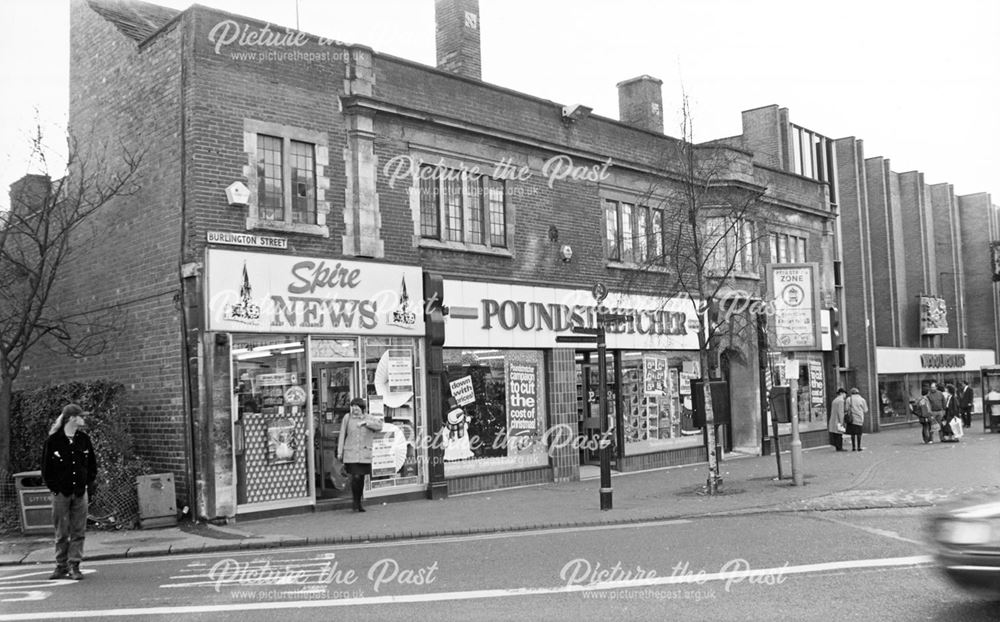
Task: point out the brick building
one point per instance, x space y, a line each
298 191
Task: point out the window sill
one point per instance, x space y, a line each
287 227
465 248
622 265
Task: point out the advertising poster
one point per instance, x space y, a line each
462 391
522 398
383 464
796 306
280 441
816 386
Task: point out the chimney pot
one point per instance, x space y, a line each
640 103
457 37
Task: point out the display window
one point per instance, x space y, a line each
495 419
270 424
897 392
393 373
656 400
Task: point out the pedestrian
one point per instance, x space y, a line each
855 409
951 415
354 447
922 409
69 469
835 425
936 400
966 399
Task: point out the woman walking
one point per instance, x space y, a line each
354 447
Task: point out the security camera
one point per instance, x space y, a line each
575 112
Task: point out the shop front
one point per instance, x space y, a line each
305 336
904 373
531 404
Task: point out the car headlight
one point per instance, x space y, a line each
950 531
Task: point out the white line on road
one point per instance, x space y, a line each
729 577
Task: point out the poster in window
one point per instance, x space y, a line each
280 441
816 388
522 398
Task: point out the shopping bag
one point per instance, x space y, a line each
956 427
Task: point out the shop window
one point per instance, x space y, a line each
656 401
456 207
270 421
497 418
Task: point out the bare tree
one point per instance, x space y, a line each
713 222
46 221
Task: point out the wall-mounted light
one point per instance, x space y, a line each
566 252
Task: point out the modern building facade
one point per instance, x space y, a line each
915 284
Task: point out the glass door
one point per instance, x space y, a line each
335 384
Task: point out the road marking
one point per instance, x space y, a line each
392 543
735 577
873 530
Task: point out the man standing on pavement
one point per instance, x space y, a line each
69 468
835 426
936 401
965 400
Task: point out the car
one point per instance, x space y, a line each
966 538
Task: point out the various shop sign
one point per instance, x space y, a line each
796 306
915 360
517 316
257 292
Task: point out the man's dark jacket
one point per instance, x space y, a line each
69 468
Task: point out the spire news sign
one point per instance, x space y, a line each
796 305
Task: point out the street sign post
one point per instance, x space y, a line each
597 336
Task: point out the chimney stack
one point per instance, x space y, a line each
29 193
640 103
457 37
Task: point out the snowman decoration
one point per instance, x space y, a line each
455 433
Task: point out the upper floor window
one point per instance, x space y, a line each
729 245
287 172
633 233
286 177
787 248
457 207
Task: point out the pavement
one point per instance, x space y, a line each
895 470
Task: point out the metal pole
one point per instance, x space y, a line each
793 390
605 444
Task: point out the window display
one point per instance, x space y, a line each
656 405
270 422
495 419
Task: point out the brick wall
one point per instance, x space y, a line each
949 273
127 256
886 328
918 265
978 220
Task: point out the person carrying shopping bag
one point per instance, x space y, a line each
855 409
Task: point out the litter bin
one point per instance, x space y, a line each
36 503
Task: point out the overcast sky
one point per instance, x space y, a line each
918 82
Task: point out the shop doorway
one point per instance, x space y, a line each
335 384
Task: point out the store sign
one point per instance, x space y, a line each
257 292
516 316
796 306
522 398
942 361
